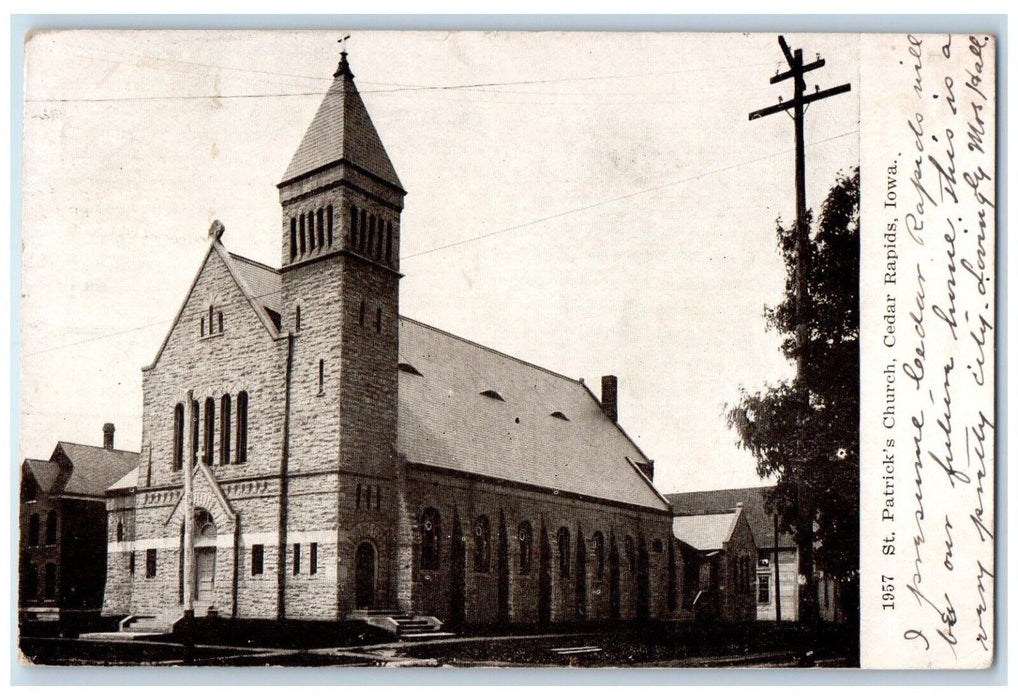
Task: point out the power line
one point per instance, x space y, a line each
490 234
619 198
409 88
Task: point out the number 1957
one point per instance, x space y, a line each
887 592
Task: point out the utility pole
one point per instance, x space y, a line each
189 459
796 72
190 450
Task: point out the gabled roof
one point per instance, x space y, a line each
93 469
256 281
44 472
342 130
706 533
445 421
754 503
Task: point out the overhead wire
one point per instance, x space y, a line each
490 234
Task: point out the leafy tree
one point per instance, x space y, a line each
806 432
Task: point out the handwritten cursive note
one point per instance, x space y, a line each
928 337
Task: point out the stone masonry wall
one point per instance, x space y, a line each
466 498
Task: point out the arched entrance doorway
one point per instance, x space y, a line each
204 556
364 576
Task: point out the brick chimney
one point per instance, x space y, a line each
108 431
610 396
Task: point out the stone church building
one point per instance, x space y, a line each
342 458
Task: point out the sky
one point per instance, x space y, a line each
592 203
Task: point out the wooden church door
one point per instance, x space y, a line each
365 575
205 573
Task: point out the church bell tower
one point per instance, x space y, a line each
341 203
340 192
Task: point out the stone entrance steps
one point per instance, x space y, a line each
143 626
403 625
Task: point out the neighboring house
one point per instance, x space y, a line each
777 569
345 458
62 547
719 561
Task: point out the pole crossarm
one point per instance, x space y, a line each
820 63
783 106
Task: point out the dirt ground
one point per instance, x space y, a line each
756 645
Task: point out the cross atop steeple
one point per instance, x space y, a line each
344 67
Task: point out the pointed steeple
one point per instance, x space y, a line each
342 130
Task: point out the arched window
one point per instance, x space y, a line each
311 231
210 430
321 228
388 241
378 241
630 547
371 233
30 582
241 427
203 326
303 239
431 540
204 524
378 320
211 327
219 318
598 540
50 585
33 530
178 436
293 238
362 229
526 536
353 227
51 527
364 306
482 544
321 377
194 432
563 552
358 505
225 411
296 318
120 531
328 217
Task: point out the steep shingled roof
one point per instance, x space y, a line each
706 533
44 472
128 481
445 421
754 503
342 129
94 468
446 418
265 283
